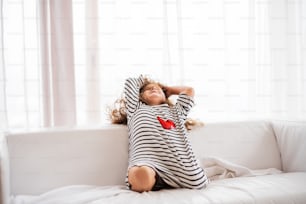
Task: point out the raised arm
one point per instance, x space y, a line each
131 91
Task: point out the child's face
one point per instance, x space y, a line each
152 94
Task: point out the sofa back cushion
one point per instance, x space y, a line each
251 143
291 137
44 160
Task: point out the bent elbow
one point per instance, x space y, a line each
190 91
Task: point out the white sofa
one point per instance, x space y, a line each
242 159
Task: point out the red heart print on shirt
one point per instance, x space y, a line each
168 124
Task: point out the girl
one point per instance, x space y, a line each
160 155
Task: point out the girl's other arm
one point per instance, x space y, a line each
176 90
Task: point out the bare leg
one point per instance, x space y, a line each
141 178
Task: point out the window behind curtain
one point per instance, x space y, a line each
244 58
20 102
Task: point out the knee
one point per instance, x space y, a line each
141 178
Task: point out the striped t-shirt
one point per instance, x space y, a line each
167 151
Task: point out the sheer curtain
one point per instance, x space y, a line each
57 63
19 69
64 62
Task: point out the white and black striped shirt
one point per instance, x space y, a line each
167 151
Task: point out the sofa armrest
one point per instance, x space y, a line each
4 170
291 139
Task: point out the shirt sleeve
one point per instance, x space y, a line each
184 104
131 92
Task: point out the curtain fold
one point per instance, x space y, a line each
93 102
3 106
57 67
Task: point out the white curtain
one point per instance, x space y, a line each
288 58
64 62
3 112
19 68
57 63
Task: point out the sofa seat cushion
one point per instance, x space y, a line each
278 188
